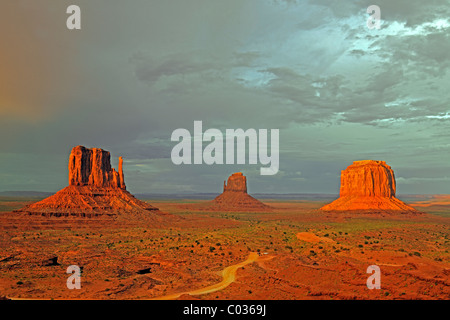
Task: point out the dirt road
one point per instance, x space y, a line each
228 274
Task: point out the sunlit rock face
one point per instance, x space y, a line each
368 185
95 190
92 167
236 198
237 182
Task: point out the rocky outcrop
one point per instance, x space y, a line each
95 190
92 167
237 182
121 177
368 185
50 261
368 178
236 198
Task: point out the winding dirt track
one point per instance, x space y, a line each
228 274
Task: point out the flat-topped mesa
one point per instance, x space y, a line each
92 167
368 178
368 185
237 182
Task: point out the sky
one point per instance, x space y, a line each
138 70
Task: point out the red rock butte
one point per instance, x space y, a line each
93 167
95 190
235 196
368 185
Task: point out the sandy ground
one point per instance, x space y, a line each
294 252
228 274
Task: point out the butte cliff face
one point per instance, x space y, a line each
368 185
95 190
368 178
237 182
93 167
235 196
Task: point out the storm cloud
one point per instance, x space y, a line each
136 71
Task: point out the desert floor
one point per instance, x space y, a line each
294 252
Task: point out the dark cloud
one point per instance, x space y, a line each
338 91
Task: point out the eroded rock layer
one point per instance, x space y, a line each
237 182
95 190
88 201
93 167
368 185
235 196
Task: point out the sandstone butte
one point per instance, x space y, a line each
368 185
95 190
235 196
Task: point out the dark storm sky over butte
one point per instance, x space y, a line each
337 91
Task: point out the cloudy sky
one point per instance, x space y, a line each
137 70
